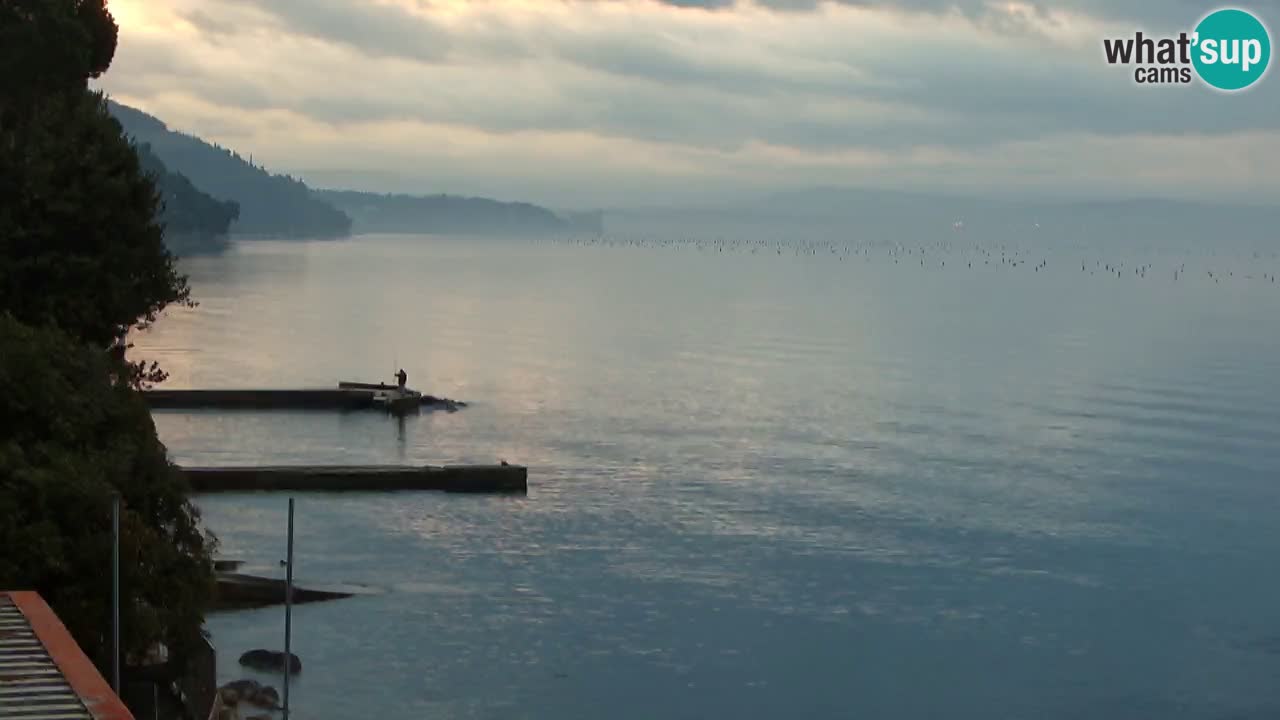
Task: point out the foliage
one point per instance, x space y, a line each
50 45
76 433
82 261
80 246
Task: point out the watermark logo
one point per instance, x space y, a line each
1229 50
1235 49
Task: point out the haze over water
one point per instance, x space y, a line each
796 480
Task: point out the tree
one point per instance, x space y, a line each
76 435
82 261
53 44
80 246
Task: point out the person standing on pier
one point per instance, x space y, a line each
402 378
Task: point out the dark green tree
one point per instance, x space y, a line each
76 434
52 44
80 246
82 262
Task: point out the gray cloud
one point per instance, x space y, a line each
698 83
1164 12
211 26
379 30
985 97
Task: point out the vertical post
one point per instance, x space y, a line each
115 593
288 613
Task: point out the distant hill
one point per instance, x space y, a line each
1120 219
194 222
372 212
887 215
269 204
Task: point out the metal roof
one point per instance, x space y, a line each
38 685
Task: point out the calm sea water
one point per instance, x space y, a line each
796 480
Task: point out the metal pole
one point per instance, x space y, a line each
288 612
115 592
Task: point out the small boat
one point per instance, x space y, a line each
347 385
393 398
398 401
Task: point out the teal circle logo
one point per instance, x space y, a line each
1232 49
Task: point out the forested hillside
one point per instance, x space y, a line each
270 204
193 220
373 212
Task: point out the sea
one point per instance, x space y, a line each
769 477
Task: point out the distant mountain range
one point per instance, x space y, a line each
273 205
194 222
210 191
270 204
887 215
373 212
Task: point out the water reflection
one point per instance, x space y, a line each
762 485
401 442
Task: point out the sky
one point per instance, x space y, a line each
622 103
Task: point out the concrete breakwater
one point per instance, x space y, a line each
500 478
304 399
237 591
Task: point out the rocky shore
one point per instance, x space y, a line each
248 699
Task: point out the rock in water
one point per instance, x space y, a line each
264 697
243 687
230 696
270 660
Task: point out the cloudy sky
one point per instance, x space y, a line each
583 103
